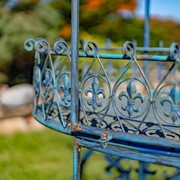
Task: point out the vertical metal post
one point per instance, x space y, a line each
75 81
142 170
146 69
74 59
77 160
146 35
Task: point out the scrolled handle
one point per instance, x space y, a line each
128 49
60 46
29 44
174 51
41 45
91 49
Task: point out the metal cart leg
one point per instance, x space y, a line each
77 160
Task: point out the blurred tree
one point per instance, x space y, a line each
17 25
99 19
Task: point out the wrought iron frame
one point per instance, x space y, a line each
71 105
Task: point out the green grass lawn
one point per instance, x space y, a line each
48 155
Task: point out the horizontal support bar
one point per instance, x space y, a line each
122 57
131 138
149 158
159 58
90 131
52 124
132 147
142 49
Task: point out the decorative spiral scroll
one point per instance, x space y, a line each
174 51
29 44
91 49
128 49
41 45
60 46
169 104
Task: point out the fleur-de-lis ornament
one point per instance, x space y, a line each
174 100
131 95
95 90
66 86
37 81
47 82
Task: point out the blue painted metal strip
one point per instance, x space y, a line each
149 158
122 136
142 49
54 125
146 140
122 57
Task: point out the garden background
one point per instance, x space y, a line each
45 154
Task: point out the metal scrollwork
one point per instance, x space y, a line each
51 80
130 103
60 46
173 99
41 45
29 44
174 51
128 49
91 49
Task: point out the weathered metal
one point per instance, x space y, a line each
128 115
75 82
122 118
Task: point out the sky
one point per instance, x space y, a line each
161 8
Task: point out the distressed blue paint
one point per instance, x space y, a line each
149 158
111 117
122 57
138 49
54 108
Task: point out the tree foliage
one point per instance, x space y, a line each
99 19
16 26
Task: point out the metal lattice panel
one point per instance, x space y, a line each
127 104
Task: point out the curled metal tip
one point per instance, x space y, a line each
60 46
91 49
41 45
128 49
174 51
29 44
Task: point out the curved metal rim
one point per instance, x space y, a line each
106 136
